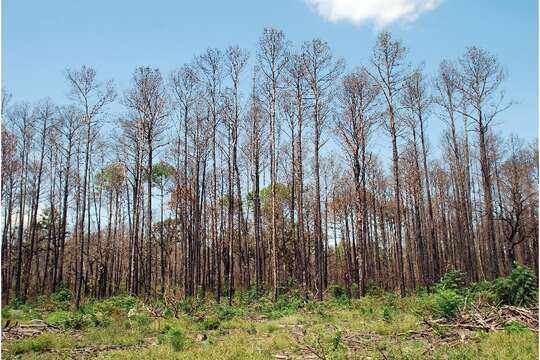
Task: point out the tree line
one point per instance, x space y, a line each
283 169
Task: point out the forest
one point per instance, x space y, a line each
285 171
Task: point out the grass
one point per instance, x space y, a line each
255 329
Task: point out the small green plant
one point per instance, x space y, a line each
62 295
228 312
516 326
354 290
177 339
367 311
16 302
210 324
335 341
116 304
387 314
447 303
78 321
285 305
137 317
518 288
338 292
62 298
454 279
374 289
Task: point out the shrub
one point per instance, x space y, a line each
387 314
116 304
372 288
285 305
77 321
480 286
251 295
447 303
210 324
338 292
454 279
16 302
228 312
518 288
177 340
335 341
62 295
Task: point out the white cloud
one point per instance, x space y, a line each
379 12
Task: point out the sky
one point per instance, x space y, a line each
40 39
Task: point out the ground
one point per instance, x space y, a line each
381 326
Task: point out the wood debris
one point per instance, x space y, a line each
14 331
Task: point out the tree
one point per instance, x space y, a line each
148 98
162 172
389 71
359 99
273 56
480 78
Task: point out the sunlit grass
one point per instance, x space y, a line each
255 331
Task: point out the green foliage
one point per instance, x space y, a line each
77 321
286 304
516 326
240 332
177 339
16 302
226 312
58 317
111 176
141 319
283 192
454 279
138 317
518 288
480 286
367 312
338 292
36 344
447 303
335 341
373 289
326 346
354 289
62 298
191 306
210 324
116 304
161 172
482 292
387 314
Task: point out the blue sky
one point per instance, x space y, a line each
42 38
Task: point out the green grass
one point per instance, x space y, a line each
258 329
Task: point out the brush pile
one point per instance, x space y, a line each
15 330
